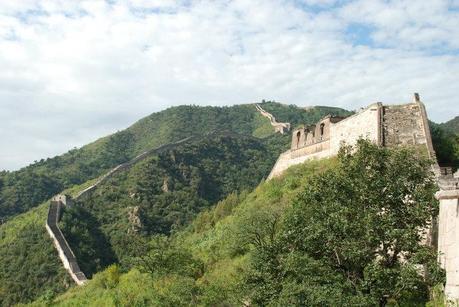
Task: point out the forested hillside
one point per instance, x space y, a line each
164 193
451 125
446 143
28 187
310 238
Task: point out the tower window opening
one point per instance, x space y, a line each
298 136
322 130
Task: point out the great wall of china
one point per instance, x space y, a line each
394 125
278 127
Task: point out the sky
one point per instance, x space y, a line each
74 71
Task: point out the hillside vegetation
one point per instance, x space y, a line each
328 233
30 186
98 230
452 125
446 144
164 193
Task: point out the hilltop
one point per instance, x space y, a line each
451 125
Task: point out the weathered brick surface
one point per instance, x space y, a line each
386 125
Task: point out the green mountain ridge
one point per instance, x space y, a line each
25 189
31 185
451 125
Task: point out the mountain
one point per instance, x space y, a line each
159 195
28 187
445 140
451 125
289 242
164 193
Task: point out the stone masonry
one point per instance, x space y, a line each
448 233
386 125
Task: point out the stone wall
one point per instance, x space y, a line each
386 125
394 125
403 125
63 248
365 124
278 127
448 233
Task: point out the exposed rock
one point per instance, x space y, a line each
134 219
165 186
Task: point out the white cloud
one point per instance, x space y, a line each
72 71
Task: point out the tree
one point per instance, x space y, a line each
354 235
160 256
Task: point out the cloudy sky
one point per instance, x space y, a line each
73 71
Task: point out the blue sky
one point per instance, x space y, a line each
73 71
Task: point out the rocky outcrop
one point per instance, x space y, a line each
278 127
134 219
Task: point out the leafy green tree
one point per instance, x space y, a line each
160 256
353 236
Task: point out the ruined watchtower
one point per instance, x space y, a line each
385 125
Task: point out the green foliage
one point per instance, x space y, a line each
166 191
355 223
452 126
30 265
446 145
161 256
37 182
206 272
327 233
285 243
99 230
89 244
30 268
